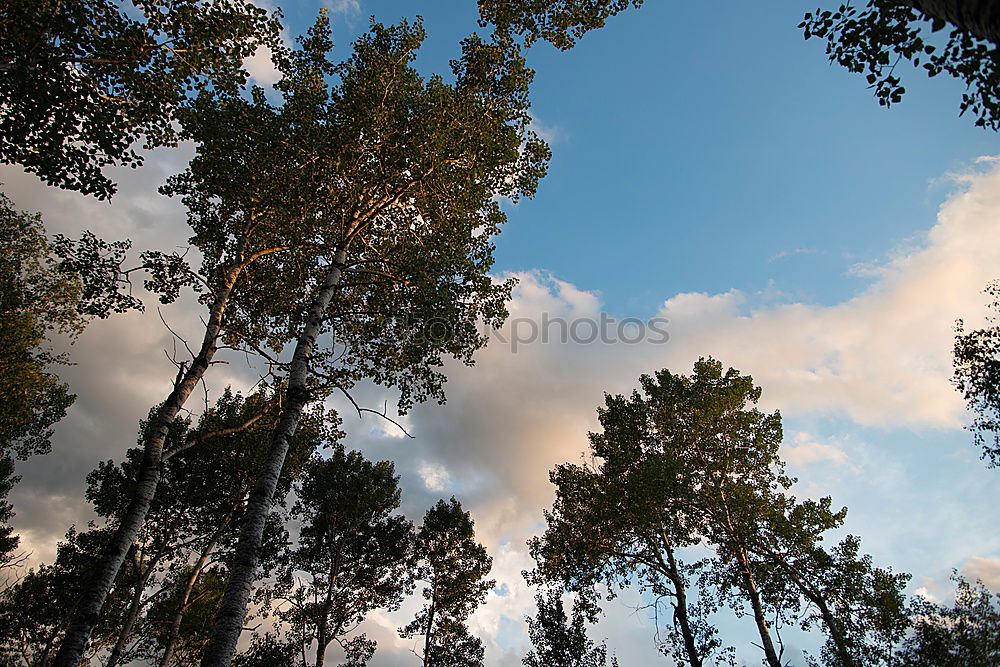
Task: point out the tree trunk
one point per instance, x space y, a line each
229 622
836 635
133 614
88 611
681 610
978 17
758 608
428 636
182 605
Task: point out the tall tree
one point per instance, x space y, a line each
561 640
977 376
353 554
626 515
402 176
84 80
454 567
690 461
238 216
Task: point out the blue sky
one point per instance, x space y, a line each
692 145
711 168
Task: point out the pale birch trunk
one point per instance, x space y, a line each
750 586
88 611
229 621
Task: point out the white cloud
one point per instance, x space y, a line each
345 7
435 476
805 449
261 66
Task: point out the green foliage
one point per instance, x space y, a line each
454 567
967 634
559 22
559 640
689 465
397 173
35 610
352 557
35 300
84 80
873 39
977 376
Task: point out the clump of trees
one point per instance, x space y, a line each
685 496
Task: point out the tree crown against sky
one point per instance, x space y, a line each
84 80
353 555
686 497
401 172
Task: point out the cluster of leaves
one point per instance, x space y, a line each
977 376
873 39
84 80
559 22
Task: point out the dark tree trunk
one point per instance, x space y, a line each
229 622
978 17
681 610
88 611
133 613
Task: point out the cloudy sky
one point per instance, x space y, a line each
710 170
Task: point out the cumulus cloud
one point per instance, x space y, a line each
804 449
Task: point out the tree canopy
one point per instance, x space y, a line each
85 80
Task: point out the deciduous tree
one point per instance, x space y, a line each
402 176
561 640
353 555
454 567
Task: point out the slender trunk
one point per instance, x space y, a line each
192 580
428 636
978 17
229 622
133 613
88 611
681 610
321 644
758 608
833 627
